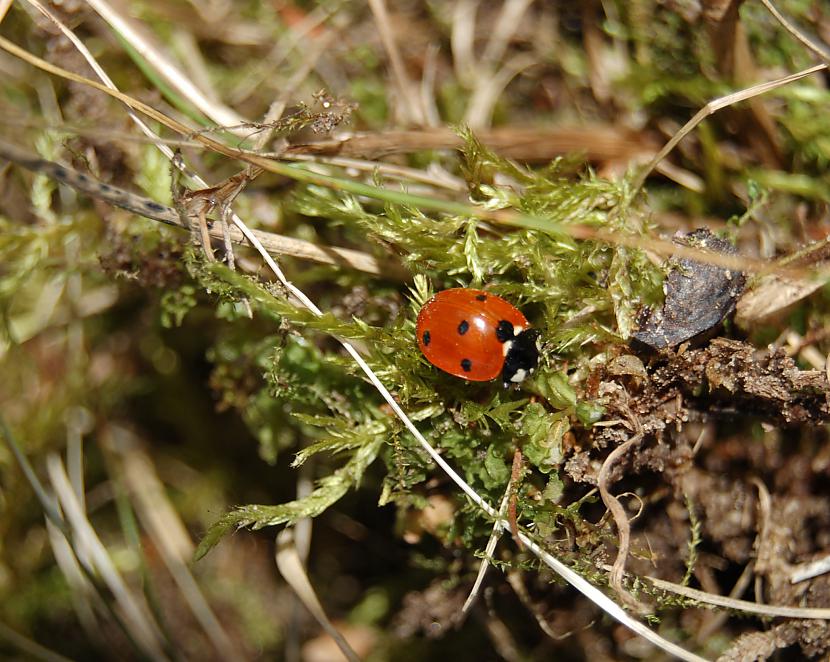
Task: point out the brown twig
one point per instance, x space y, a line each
528 144
274 243
515 479
617 511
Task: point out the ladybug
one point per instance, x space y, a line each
476 335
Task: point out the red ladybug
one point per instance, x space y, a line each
476 335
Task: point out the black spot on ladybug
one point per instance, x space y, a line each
463 327
481 297
504 331
466 365
426 338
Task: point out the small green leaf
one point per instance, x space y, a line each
472 412
496 467
554 489
176 304
215 533
589 412
558 391
154 174
545 432
471 252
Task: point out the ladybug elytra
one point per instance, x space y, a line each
477 336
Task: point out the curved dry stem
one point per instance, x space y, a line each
819 49
291 568
710 109
617 511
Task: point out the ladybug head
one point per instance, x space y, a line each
521 358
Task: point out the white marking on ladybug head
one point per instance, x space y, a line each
505 347
519 376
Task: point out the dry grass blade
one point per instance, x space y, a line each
773 293
292 570
809 570
133 610
818 48
740 605
144 44
536 145
82 591
712 107
168 533
30 648
5 5
410 101
492 541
